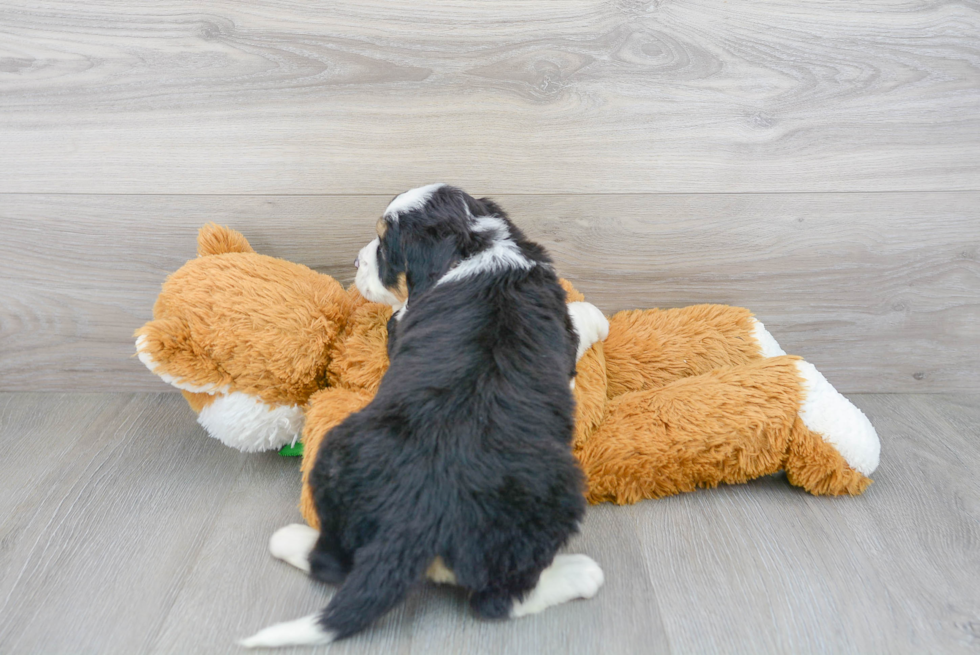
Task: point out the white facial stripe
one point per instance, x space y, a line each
412 199
368 278
503 254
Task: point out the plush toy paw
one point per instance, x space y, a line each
825 411
235 419
248 424
767 344
842 425
590 325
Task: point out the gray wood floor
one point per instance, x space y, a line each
123 529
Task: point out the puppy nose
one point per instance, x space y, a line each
357 262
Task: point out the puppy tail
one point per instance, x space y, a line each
383 574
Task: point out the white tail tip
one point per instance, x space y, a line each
301 632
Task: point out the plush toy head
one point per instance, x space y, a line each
247 338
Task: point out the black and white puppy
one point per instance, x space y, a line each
460 469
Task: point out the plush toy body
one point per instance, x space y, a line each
673 400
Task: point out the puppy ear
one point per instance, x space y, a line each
489 208
426 261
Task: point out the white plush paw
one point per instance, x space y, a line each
590 325
825 411
767 344
301 632
569 577
250 425
293 544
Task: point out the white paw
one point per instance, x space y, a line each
590 325
248 424
767 344
825 411
301 632
569 577
293 544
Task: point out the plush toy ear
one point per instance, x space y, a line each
214 239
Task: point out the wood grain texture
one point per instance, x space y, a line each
139 534
880 291
220 602
94 557
596 96
759 568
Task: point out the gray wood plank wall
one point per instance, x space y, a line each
516 97
818 163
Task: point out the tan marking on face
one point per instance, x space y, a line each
381 227
439 573
401 289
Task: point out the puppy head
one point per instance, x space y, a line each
422 234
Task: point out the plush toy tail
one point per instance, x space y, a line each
214 239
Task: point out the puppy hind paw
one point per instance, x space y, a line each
293 544
569 577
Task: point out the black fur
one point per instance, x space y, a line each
464 453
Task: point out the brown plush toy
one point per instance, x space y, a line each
671 401
246 337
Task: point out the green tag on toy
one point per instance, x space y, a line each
296 450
